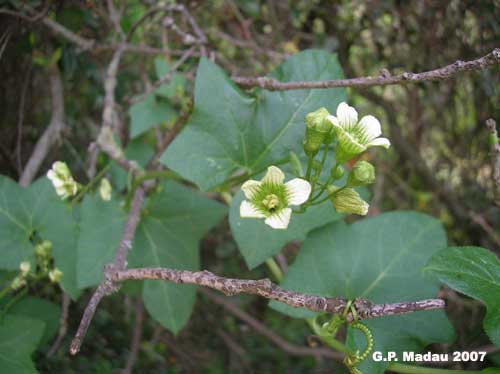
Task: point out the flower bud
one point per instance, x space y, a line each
17 283
25 268
62 180
362 173
347 200
337 172
317 130
43 249
105 189
61 170
55 275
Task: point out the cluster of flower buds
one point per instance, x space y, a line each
270 198
63 181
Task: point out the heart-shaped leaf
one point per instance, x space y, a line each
379 259
257 241
474 272
36 211
231 130
19 337
176 219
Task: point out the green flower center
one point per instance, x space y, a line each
271 198
271 201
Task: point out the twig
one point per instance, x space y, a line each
51 134
264 287
20 121
115 16
166 78
169 137
269 334
233 345
108 285
492 58
136 337
495 158
63 325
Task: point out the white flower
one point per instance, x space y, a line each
355 137
270 198
61 178
105 189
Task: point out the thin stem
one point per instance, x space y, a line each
12 301
410 369
309 168
91 183
5 292
329 340
275 269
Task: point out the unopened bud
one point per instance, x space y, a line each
25 268
55 275
17 283
362 173
317 130
337 172
347 200
43 249
105 189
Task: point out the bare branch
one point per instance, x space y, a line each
63 325
108 285
51 134
166 78
491 59
495 158
269 334
136 337
264 287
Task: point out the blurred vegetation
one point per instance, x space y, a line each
439 162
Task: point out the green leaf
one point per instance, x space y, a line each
19 337
37 211
177 82
257 241
138 151
36 308
474 272
101 228
175 220
231 130
149 113
379 259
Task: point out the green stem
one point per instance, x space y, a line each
410 369
5 292
329 340
89 185
327 196
275 269
12 301
309 168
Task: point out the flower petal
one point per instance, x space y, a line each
51 175
369 128
382 142
280 219
298 191
347 116
250 188
248 210
274 175
334 120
